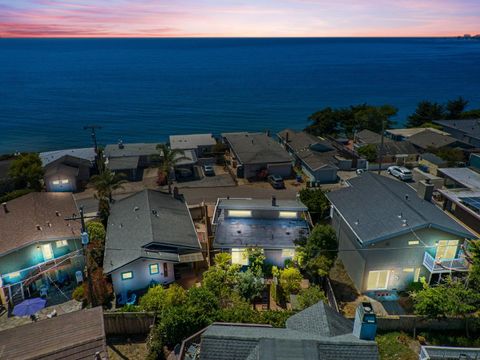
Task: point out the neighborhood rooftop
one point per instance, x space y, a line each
432 158
184 142
75 335
412 131
261 204
465 176
83 153
428 138
256 148
470 127
145 218
315 333
138 149
38 216
377 207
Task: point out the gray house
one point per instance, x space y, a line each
254 153
148 234
271 225
389 236
67 170
316 157
200 143
317 332
467 130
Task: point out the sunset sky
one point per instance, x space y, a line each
145 18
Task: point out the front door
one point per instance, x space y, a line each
378 280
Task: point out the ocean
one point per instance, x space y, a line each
142 90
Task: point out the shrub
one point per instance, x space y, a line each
290 280
154 299
79 293
310 296
15 194
414 286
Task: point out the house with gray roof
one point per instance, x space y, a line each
317 332
465 130
316 157
391 235
427 140
255 153
201 144
431 162
131 159
148 234
67 170
272 225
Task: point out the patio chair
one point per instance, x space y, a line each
132 299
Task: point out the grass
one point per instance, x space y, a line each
397 346
123 348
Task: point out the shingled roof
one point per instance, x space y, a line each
18 226
317 332
372 204
145 218
430 139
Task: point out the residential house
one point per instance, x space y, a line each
389 236
431 163
67 170
428 140
201 144
317 332
131 159
474 161
394 152
38 246
461 195
257 154
77 335
316 157
150 235
405 134
466 131
271 225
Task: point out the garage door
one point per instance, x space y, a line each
62 185
283 170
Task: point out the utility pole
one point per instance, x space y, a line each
85 241
93 134
380 158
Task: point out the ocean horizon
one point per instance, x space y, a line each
144 89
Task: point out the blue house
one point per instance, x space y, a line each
37 246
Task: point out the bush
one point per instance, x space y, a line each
79 293
15 194
414 286
310 296
154 299
290 280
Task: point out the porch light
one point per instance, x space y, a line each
288 214
240 213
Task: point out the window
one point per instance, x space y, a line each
288 214
378 280
61 243
127 275
56 182
413 242
165 269
65 181
288 253
47 251
409 270
14 275
239 256
446 249
239 213
154 269
416 277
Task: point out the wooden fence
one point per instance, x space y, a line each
128 323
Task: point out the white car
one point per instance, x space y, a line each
400 172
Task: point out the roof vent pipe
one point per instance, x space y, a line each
5 208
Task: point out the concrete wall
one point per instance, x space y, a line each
141 275
394 255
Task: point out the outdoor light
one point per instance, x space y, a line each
288 214
85 239
239 213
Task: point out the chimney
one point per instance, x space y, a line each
120 144
5 208
425 190
365 323
274 201
38 227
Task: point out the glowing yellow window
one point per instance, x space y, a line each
154 269
61 243
56 182
239 213
288 214
127 275
446 249
413 242
47 251
239 256
288 253
378 280
409 270
65 181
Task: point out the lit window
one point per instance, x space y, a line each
378 280
239 213
56 182
239 256
13 275
416 277
413 242
127 275
288 214
288 253
153 269
65 181
408 270
61 243
47 252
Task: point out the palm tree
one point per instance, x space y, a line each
169 158
107 182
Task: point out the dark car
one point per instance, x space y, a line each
276 181
208 170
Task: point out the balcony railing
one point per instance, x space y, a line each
444 265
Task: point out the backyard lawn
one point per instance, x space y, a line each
397 346
122 348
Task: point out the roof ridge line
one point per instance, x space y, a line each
147 191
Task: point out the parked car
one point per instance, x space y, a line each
208 170
400 172
276 181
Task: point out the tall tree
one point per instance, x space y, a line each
169 158
455 108
27 172
324 122
106 183
316 202
425 112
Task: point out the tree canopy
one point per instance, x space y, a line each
27 172
316 202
